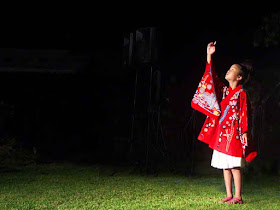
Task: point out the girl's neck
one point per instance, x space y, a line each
233 84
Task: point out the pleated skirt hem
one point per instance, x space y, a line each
224 161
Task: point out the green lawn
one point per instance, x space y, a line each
91 187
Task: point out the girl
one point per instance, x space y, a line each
226 126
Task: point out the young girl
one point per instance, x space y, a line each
226 126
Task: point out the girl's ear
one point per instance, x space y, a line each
239 77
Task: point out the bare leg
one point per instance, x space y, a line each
228 181
237 182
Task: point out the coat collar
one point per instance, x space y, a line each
238 87
226 100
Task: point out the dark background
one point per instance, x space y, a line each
85 115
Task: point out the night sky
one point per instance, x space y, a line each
99 29
100 26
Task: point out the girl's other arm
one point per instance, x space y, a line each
244 118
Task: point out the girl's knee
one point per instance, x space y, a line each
236 169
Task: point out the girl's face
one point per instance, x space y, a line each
233 73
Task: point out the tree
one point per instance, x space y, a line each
268 33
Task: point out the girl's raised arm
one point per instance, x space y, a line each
211 48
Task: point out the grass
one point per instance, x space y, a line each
65 186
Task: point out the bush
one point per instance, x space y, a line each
14 155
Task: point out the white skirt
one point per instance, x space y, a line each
224 161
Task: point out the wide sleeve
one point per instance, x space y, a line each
205 99
243 119
250 149
218 84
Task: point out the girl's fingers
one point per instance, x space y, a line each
211 43
246 140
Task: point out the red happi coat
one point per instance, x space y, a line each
226 111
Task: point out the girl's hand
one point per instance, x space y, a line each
245 138
211 48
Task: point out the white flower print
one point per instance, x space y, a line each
234 116
233 102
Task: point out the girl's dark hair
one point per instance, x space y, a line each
245 70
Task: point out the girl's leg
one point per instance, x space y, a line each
237 182
228 181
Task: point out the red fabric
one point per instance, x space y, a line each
205 100
223 131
